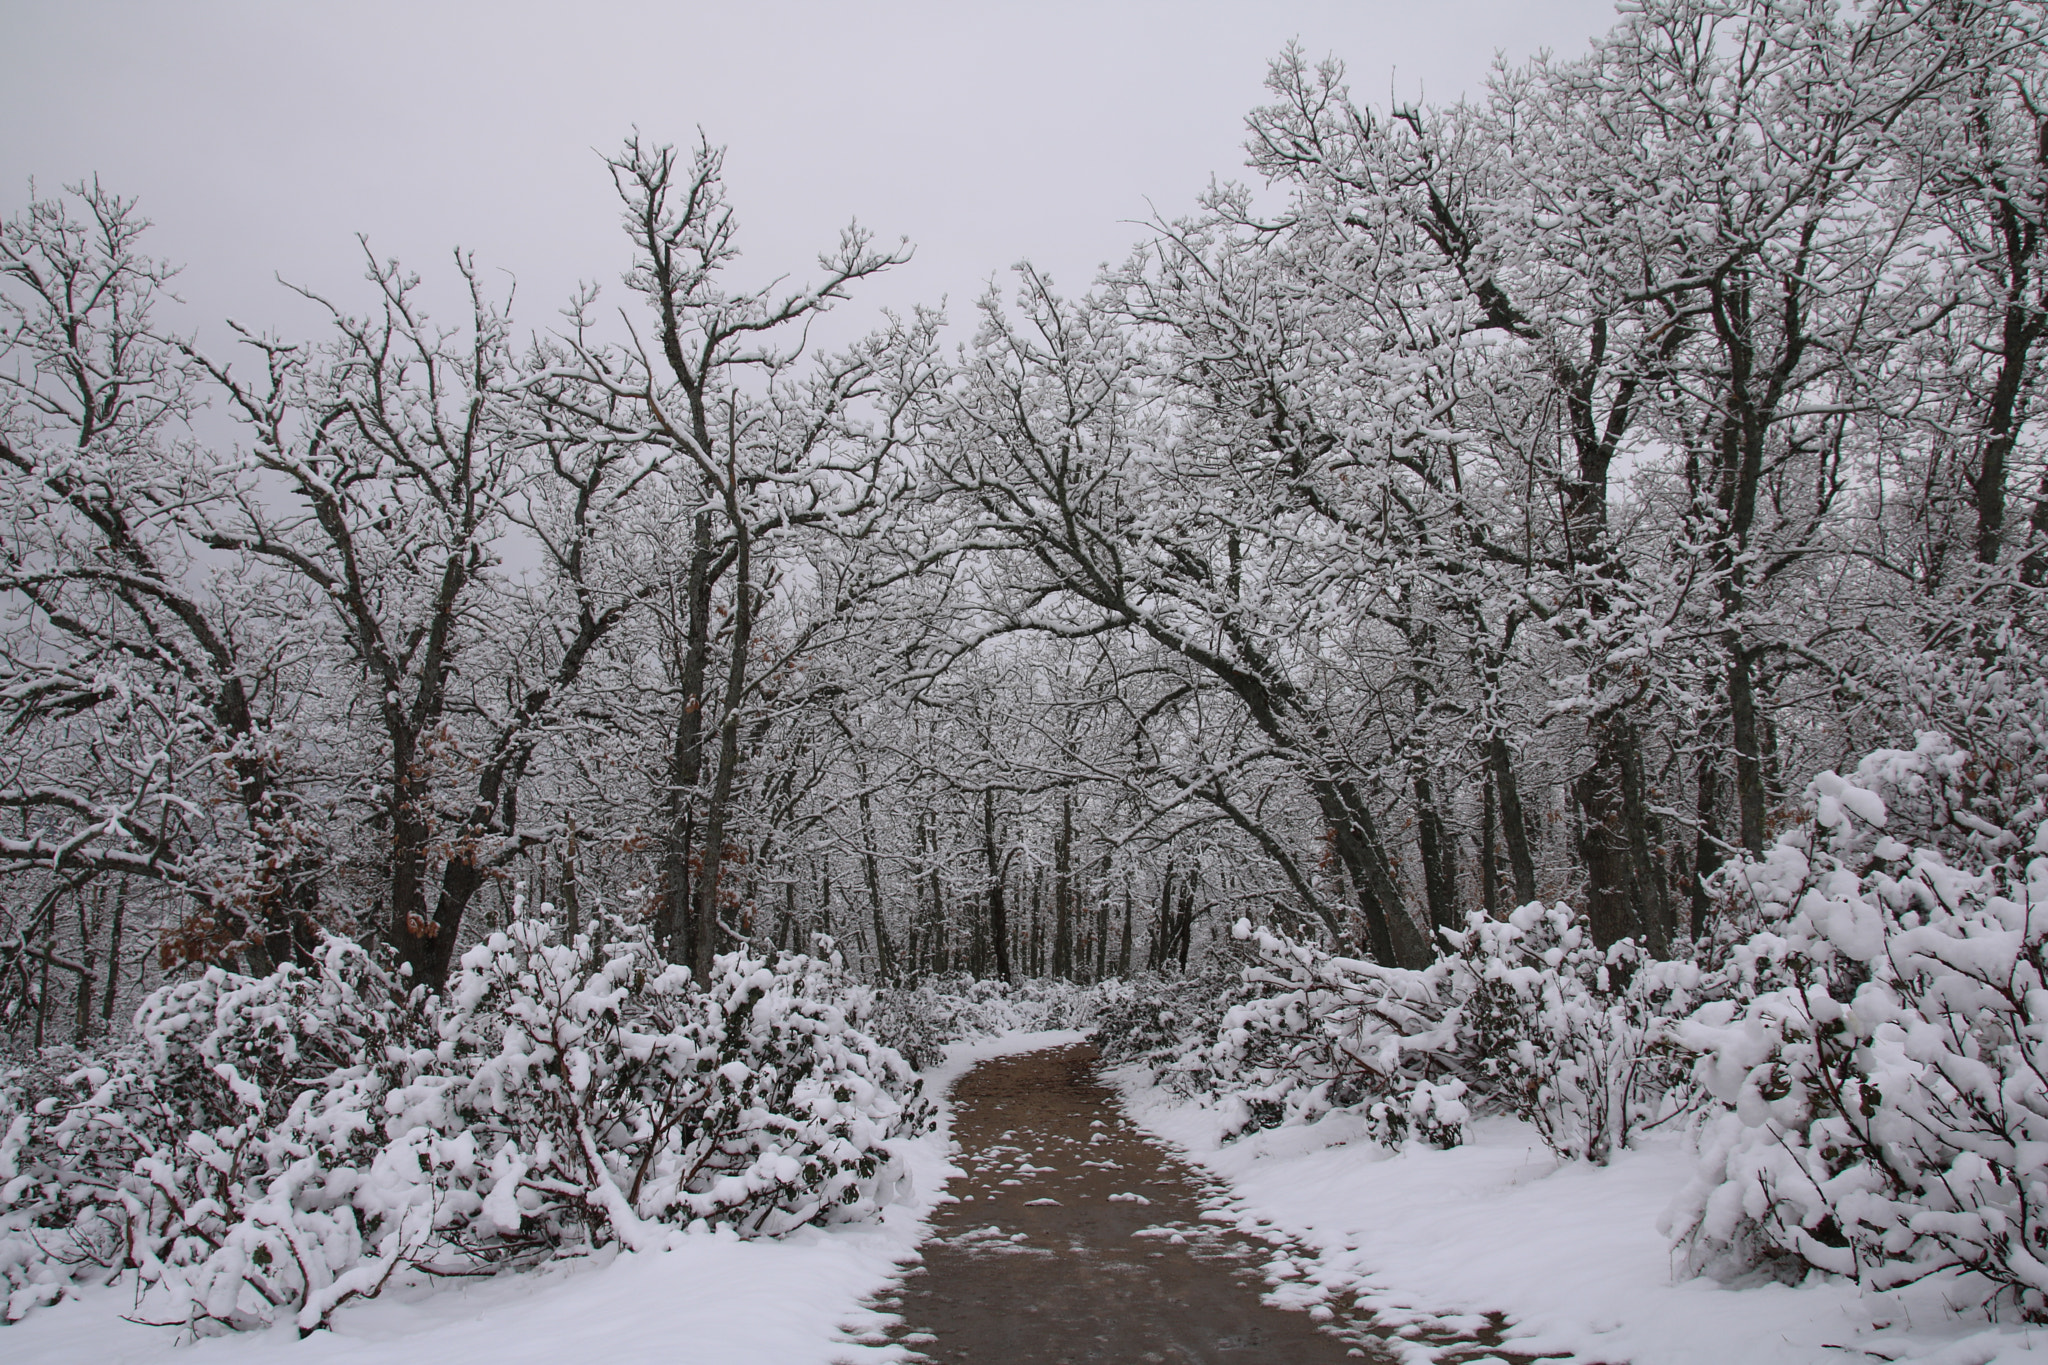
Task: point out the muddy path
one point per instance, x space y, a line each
1076 1239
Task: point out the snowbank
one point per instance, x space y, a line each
1570 1252
711 1298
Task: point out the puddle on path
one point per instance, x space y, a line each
1077 1240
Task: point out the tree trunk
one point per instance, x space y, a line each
1649 897
885 953
1102 921
1439 874
1184 928
977 939
1393 936
88 959
710 858
675 925
825 895
1162 925
1514 829
1123 954
998 916
1707 851
1037 955
941 929
571 907
412 929
114 956
2024 322
1751 801
1063 893
43 984
1489 858
1603 836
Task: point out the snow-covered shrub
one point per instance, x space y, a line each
233 1156
1166 1023
1052 1003
1524 1015
1566 1035
1991 703
1882 1058
272 1147
919 1021
618 1096
1321 1032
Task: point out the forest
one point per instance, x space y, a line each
1422 604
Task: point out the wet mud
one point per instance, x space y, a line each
1077 1240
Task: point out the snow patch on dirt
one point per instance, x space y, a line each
1433 1240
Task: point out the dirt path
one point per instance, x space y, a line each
1077 1240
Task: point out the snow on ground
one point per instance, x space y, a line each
711 1298
1571 1253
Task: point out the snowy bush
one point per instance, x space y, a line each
232 1157
1882 1059
1321 1032
273 1147
1524 1015
618 1096
1165 1023
919 1021
1568 1036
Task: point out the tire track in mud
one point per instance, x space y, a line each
1075 1239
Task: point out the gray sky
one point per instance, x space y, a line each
261 137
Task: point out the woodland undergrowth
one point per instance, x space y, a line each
270 1148
1859 1049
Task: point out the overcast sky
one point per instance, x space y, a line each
261 137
